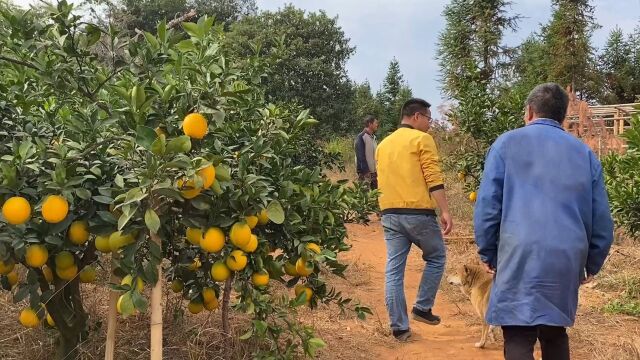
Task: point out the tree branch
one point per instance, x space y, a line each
177 21
19 62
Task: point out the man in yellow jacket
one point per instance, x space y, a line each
411 184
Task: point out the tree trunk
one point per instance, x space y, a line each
112 317
225 306
66 309
156 309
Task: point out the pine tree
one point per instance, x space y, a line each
470 48
616 69
568 44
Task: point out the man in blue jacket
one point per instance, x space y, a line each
542 225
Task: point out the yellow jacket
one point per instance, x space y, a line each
408 170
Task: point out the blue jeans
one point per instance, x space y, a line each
400 231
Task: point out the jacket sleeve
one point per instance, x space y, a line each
361 157
430 163
602 223
488 209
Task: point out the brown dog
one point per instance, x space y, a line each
476 284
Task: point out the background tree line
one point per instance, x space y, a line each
308 50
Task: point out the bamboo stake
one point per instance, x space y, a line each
156 309
112 317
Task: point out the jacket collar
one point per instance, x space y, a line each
548 122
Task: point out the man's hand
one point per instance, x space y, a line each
488 268
447 222
587 280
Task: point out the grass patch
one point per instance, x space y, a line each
629 302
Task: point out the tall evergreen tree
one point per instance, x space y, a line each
616 68
568 44
388 97
470 47
364 103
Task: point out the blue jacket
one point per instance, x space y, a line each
541 219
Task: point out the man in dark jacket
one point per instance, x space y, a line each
366 145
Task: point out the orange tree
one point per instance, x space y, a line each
158 150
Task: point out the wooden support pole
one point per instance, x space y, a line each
112 317
156 309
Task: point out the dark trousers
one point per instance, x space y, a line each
520 340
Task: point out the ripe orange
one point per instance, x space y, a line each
195 126
7 266
208 176
260 278
237 260
252 221
304 268
29 318
54 209
102 243
68 273
213 240
188 189
36 255
473 196
240 234
195 307
220 271
314 248
78 232
194 235
263 218
16 210
252 245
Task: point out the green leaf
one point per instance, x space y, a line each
155 251
103 199
261 327
127 212
181 144
275 212
315 344
83 193
247 335
139 302
93 34
218 117
119 180
145 136
152 220
200 203
162 30
186 46
159 146
21 294
192 29
152 40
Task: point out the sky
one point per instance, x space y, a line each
408 30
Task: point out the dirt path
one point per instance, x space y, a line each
452 339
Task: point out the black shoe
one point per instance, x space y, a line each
426 317
402 335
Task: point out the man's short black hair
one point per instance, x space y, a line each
368 120
413 106
549 101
